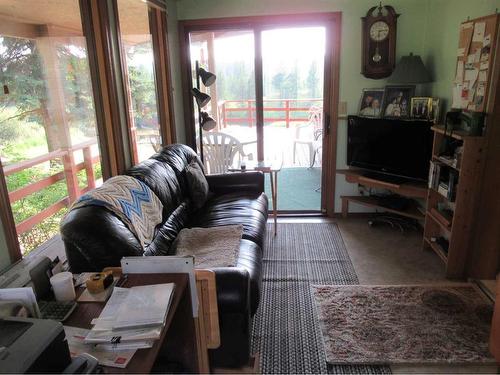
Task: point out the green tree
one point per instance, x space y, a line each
312 80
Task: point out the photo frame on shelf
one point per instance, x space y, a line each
371 103
436 110
421 107
397 101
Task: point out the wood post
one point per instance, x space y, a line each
71 177
287 113
89 170
249 107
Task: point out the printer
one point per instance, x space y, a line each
38 346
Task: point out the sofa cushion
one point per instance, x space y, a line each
246 208
197 184
162 179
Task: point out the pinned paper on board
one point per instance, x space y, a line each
459 76
479 29
484 65
471 77
466 31
477 55
482 76
485 54
487 40
481 89
457 96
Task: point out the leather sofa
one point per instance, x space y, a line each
95 238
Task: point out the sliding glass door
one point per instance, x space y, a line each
268 99
293 70
230 55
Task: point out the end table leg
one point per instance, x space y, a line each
345 207
275 203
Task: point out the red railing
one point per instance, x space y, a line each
227 107
69 173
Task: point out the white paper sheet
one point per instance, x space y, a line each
477 55
484 65
483 76
113 358
479 29
457 96
459 77
26 296
487 40
471 77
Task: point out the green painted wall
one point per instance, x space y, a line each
428 28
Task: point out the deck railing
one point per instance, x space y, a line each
69 173
228 107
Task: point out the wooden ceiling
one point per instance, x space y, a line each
25 18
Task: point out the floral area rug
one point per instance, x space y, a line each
404 324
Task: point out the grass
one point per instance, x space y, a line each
26 142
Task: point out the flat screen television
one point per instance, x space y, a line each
394 147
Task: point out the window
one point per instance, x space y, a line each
137 48
48 133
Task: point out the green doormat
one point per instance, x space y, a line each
424 324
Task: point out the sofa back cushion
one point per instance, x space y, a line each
162 180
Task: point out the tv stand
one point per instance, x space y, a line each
404 188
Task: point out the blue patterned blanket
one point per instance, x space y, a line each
132 201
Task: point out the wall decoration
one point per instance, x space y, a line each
371 102
379 42
397 101
421 107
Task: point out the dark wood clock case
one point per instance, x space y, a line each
387 47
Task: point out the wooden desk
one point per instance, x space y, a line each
177 342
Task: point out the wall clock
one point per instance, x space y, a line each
379 42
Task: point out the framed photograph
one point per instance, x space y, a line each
421 107
436 110
371 103
397 101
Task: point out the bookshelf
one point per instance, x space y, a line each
450 216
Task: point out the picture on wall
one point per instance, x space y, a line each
421 107
397 101
371 103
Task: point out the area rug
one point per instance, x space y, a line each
286 332
435 324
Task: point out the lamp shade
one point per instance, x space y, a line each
207 78
207 122
201 98
410 69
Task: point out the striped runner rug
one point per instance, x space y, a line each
286 331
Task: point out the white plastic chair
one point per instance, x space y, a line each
310 134
219 151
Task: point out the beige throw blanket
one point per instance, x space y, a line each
211 247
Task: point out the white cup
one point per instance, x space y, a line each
62 285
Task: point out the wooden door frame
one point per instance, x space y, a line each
333 23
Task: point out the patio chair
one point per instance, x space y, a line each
310 134
220 150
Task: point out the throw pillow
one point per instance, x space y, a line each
198 185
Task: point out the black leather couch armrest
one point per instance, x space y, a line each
233 289
240 181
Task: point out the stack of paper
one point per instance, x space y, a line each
132 319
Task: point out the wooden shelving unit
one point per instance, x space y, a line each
459 234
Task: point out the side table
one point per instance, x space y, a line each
267 167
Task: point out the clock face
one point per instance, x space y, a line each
379 31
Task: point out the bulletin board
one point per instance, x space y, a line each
475 55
